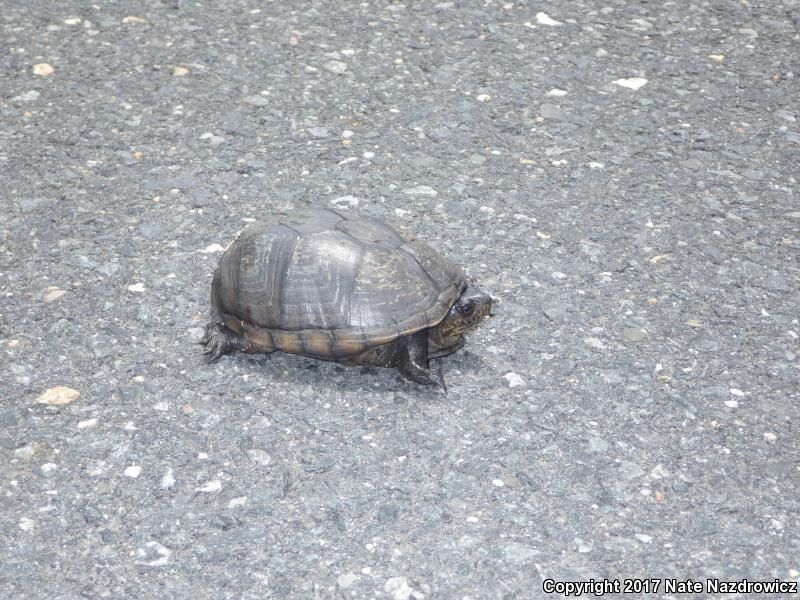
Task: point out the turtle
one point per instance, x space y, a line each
343 287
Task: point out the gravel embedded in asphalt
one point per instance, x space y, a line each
621 176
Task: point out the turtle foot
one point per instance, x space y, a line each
218 341
428 377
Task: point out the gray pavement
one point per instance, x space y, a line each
623 176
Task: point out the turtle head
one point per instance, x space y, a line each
469 311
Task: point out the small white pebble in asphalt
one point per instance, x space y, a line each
398 589
347 580
26 524
483 97
43 70
596 165
368 155
400 212
731 403
659 472
214 140
180 71
212 486
257 100
168 479
53 294
212 248
72 21
632 83
133 471
136 287
498 482
29 96
594 343
486 209
717 57
259 457
644 538
769 436
735 392
345 201
163 554
557 92
421 190
545 19
513 379
47 467
335 66
87 424
347 134
472 519
641 24
238 501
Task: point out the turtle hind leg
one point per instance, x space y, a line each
218 341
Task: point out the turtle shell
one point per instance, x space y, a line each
330 285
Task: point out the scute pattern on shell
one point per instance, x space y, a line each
318 286
329 285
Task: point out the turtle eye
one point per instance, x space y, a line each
466 308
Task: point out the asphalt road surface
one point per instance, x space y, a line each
622 176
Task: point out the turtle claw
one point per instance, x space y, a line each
435 378
213 357
439 378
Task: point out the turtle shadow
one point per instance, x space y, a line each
331 377
328 376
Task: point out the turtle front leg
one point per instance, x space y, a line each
412 361
219 341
